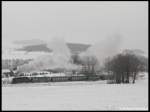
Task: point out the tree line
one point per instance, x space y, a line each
121 67
13 63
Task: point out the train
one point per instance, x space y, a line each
38 77
55 76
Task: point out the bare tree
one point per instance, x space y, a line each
89 63
125 65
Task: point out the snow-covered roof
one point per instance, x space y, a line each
48 74
22 55
5 70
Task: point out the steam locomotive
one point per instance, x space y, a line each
37 77
54 76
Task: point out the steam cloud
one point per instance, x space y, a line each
60 58
103 49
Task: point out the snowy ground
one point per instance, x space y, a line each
76 96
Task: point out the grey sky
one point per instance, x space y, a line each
81 22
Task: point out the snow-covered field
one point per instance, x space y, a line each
76 96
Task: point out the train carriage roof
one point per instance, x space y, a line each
5 70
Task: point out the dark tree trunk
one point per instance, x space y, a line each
118 78
134 77
123 77
127 80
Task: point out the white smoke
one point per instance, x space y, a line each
59 48
61 53
60 58
103 49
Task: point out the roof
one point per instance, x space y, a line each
5 70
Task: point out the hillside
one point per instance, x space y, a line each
74 48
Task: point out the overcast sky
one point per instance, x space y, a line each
79 22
